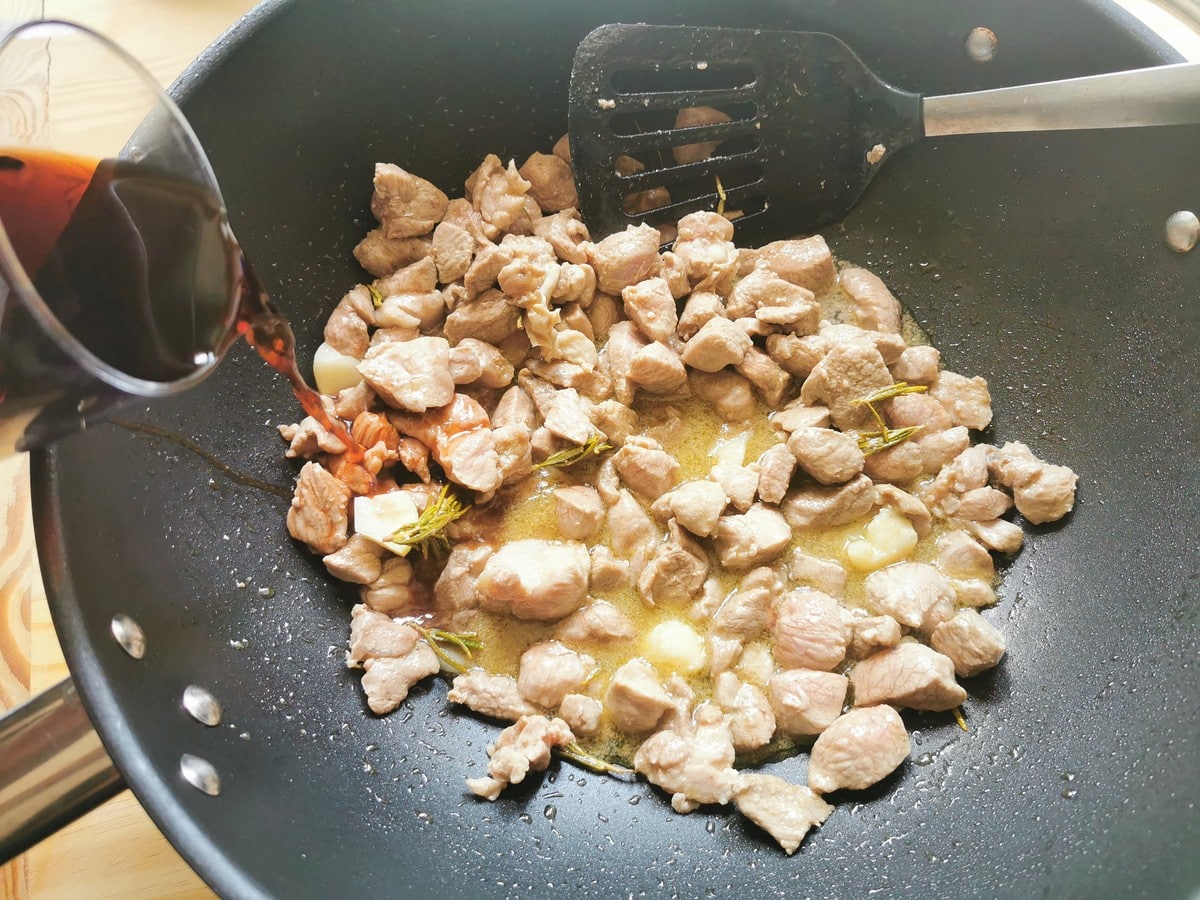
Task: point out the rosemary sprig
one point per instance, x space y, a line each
892 390
960 718
581 757
721 196
376 296
873 441
595 446
426 534
436 638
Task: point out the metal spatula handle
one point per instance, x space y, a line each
1163 95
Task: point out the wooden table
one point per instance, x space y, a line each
116 851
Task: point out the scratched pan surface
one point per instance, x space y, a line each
1035 260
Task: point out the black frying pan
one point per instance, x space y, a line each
1035 260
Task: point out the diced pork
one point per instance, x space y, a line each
412 375
728 393
567 418
740 484
395 592
657 369
1043 492
751 721
917 365
830 457
624 341
497 193
676 571
755 537
764 373
915 594
474 361
692 117
797 355
872 305
775 469
580 512
704 247
717 344
635 699
549 671
551 182
582 713
783 810
359 561
309 438
858 750
845 375
565 232
870 634
489 317
650 306
598 622
646 467
961 556
695 767
452 249
998 534
630 528
372 634
536 579
454 594
971 642
809 631
522 748
387 680
608 573
696 505
701 308
826 575
966 399
805 701
405 205
320 510
491 695
381 255
821 506
909 674
625 258
806 262
764 295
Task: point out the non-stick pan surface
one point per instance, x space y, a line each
1035 260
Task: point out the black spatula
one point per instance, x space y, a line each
808 123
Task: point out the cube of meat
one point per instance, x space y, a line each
411 375
751 539
646 467
941 447
522 748
320 510
405 205
454 595
625 258
692 117
658 369
796 415
997 534
381 255
825 575
473 361
917 410
809 631
895 465
551 182
373 634
775 469
909 674
751 721
567 417
549 671
961 556
846 374
624 341
695 767
635 699
608 573
740 484
806 262
452 249
701 308
859 749
830 457
676 572
497 193
872 305
797 355
359 561
490 695
966 399
1043 493
762 291
805 701
650 306
972 643
728 393
489 317
536 579
820 506
598 622
395 591
917 365
387 680
582 713
906 505
629 527
346 329
704 247
764 373
717 344
870 634
565 232
914 594
783 810
579 510
696 505
615 419
309 438
978 505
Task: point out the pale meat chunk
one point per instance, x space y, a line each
889 346
657 368
872 305
746 613
974 592
821 506
966 472
701 308
650 306
917 365
419 277
536 579
895 465
513 452
971 642
961 556
490 695
796 415
630 528
625 258
830 457
615 419
966 399
646 467
978 504
387 680
676 571
598 622
826 575
608 573
692 117
728 393
704 248
785 811
372 634
917 410
809 631
381 255
696 505
909 674
452 249
351 402
346 329
718 343
567 418
522 748
359 561
489 317
309 438
497 193
751 721
806 262
411 375
405 205
1043 492
870 634
582 713
858 750
906 505
941 447
797 355
551 182
740 484
806 701
395 592
752 538
579 511
914 594
565 232
455 598
624 341
998 534
473 361
695 765
320 510
846 374
764 373
765 296
490 260
635 699
549 671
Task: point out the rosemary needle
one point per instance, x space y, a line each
595 446
427 533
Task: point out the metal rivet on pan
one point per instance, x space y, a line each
202 705
129 635
200 774
981 44
1183 230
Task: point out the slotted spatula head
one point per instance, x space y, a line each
808 125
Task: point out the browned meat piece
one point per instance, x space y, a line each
872 305
535 579
740 484
650 306
971 642
917 365
405 205
909 674
658 369
320 510
629 527
412 375
695 767
395 591
752 538
497 193
998 534
646 467
549 671
846 374
676 572
717 344
797 355
979 504
624 341
809 630
915 594
359 561
454 596
779 301
764 373
830 457
705 250
751 721
615 419
490 695
515 408
581 713
701 307
598 622
870 634
690 117
579 511
372 634
551 182
489 318
696 505
522 748
961 556
966 399
728 393
806 262
1043 492
858 750
309 438
565 232
806 701
472 361
635 699
452 249
608 573
625 258
562 148
567 418
388 679
819 506
381 255
775 469
823 574
785 811
460 439
419 277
